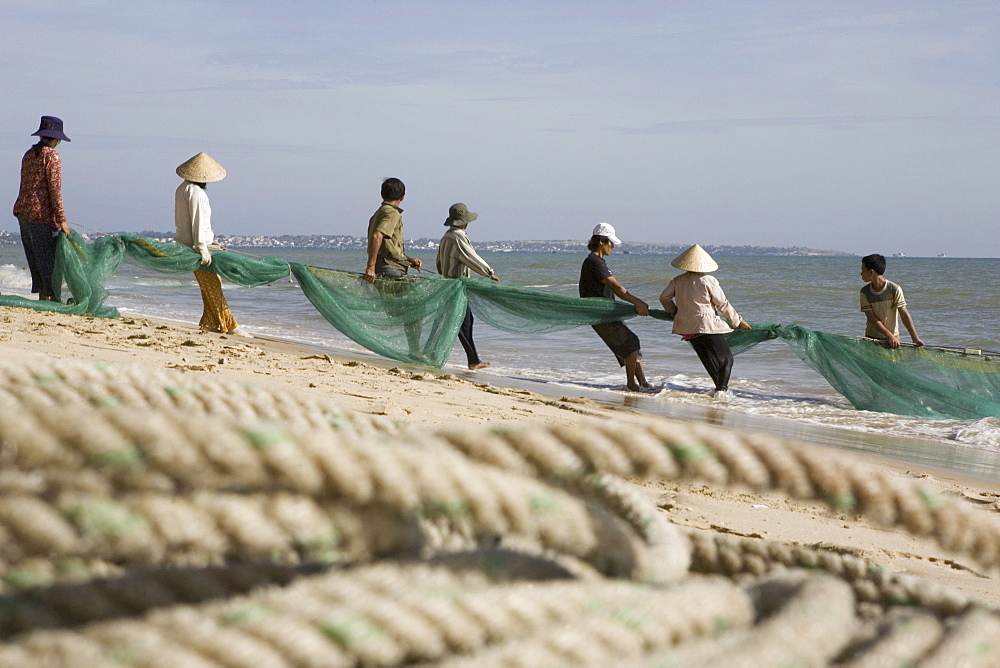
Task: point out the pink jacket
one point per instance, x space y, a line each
694 299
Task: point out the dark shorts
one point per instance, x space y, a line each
620 339
389 272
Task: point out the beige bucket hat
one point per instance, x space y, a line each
201 169
695 259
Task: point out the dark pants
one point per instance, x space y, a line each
714 353
39 241
391 287
620 339
465 338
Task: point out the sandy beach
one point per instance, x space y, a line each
424 398
389 393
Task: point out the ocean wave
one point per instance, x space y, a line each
13 277
984 432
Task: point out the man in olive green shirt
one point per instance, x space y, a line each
386 255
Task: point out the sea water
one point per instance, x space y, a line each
953 302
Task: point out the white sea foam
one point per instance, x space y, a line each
13 277
985 432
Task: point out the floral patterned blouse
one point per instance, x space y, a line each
40 198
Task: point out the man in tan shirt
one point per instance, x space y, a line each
881 302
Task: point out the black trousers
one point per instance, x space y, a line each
714 353
39 242
465 337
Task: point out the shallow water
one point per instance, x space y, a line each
773 391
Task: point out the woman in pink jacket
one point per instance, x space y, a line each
695 299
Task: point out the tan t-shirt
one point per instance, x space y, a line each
885 305
389 221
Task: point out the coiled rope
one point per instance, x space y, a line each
149 519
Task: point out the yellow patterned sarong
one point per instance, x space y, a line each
216 316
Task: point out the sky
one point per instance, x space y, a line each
857 126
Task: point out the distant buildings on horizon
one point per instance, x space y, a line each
344 242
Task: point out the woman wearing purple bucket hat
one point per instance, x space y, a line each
39 205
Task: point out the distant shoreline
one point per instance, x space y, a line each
353 243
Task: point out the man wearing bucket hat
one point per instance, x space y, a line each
596 281
455 258
695 299
39 206
193 220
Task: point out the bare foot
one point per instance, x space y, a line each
481 365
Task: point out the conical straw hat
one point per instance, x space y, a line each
695 259
201 169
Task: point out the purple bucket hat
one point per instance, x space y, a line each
52 128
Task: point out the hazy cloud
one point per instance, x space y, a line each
833 125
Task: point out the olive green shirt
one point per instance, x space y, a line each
389 221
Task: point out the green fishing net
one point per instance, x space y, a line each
909 380
417 320
86 266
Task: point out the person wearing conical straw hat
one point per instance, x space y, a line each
596 281
193 220
696 299
39 206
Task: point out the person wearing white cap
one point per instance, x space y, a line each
596 281
695 299
193 222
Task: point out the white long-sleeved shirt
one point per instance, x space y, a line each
192 216
456 256
693 299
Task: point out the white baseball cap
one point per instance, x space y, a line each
605 230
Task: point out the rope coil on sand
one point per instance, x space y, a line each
252 493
